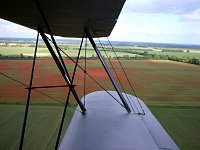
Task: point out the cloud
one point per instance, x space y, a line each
179 7
195 16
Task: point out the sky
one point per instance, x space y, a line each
161 21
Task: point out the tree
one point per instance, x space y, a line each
21 55
145 53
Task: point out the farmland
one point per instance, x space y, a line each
43 52
41 130
123 51
151 79
170 89
182 124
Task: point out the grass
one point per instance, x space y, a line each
28 51
42 126
16 51
177 54
181 123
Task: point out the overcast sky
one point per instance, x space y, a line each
166 21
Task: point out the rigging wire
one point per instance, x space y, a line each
68 95
32 89
94 32
87 74
74 68
124 73
92 78
54 99
113 69
28 96
72 107
85 70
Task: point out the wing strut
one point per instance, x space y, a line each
61 66
28 97
63 71
107 70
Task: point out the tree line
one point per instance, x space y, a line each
143 55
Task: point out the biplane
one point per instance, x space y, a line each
111 120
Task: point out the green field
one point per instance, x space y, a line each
41 130
177 54
42 52
72 51
170 89
181 123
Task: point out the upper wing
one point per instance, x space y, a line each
66 18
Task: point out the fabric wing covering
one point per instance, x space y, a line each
66 18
